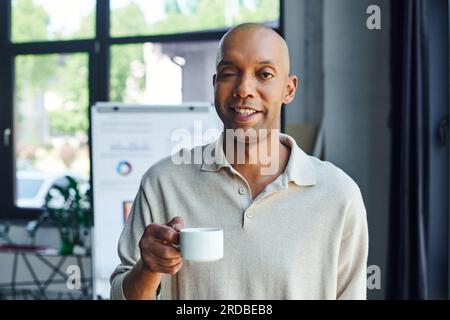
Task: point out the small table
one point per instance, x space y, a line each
18 289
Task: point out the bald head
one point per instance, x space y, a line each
242 32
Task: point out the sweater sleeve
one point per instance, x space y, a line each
128 248
353 251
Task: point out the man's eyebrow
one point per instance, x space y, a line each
266 62
225 63
230 63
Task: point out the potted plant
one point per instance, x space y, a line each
69 208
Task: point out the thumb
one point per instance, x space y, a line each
176 223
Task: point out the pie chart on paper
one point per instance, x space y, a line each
123 168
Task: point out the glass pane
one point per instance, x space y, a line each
163 73
44 20
50 123
143 17
28 188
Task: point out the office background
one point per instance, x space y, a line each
373 102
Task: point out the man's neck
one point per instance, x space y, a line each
258 160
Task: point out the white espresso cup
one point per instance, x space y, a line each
201 244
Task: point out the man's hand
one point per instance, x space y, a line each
157 251
158 255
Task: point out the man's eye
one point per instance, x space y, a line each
227 74
266 75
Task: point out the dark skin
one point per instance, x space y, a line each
158 257
252 73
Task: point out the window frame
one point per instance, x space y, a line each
98 50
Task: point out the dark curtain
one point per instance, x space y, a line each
406 276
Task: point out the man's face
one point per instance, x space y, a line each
252 80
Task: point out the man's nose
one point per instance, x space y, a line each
245 87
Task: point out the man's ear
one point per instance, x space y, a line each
214 79
290 89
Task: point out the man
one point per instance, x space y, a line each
296 230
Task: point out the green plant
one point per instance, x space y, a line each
69 208
4 233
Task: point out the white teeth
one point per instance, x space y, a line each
245 111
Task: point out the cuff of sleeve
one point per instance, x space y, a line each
117 288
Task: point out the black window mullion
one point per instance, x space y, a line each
281 32
5 23
49 47
178 37
6 92
101 71
98 71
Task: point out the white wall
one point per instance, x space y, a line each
357 104
304 35
354 67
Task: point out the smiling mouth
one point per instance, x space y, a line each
244 114
245 111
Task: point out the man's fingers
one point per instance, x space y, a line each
155 266
167 270
166 262
176 223
163 251
163 233
156 246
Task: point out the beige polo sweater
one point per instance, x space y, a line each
304 237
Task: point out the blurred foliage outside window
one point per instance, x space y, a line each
58 83
30 22
177 16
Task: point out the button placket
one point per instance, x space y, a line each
242 190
